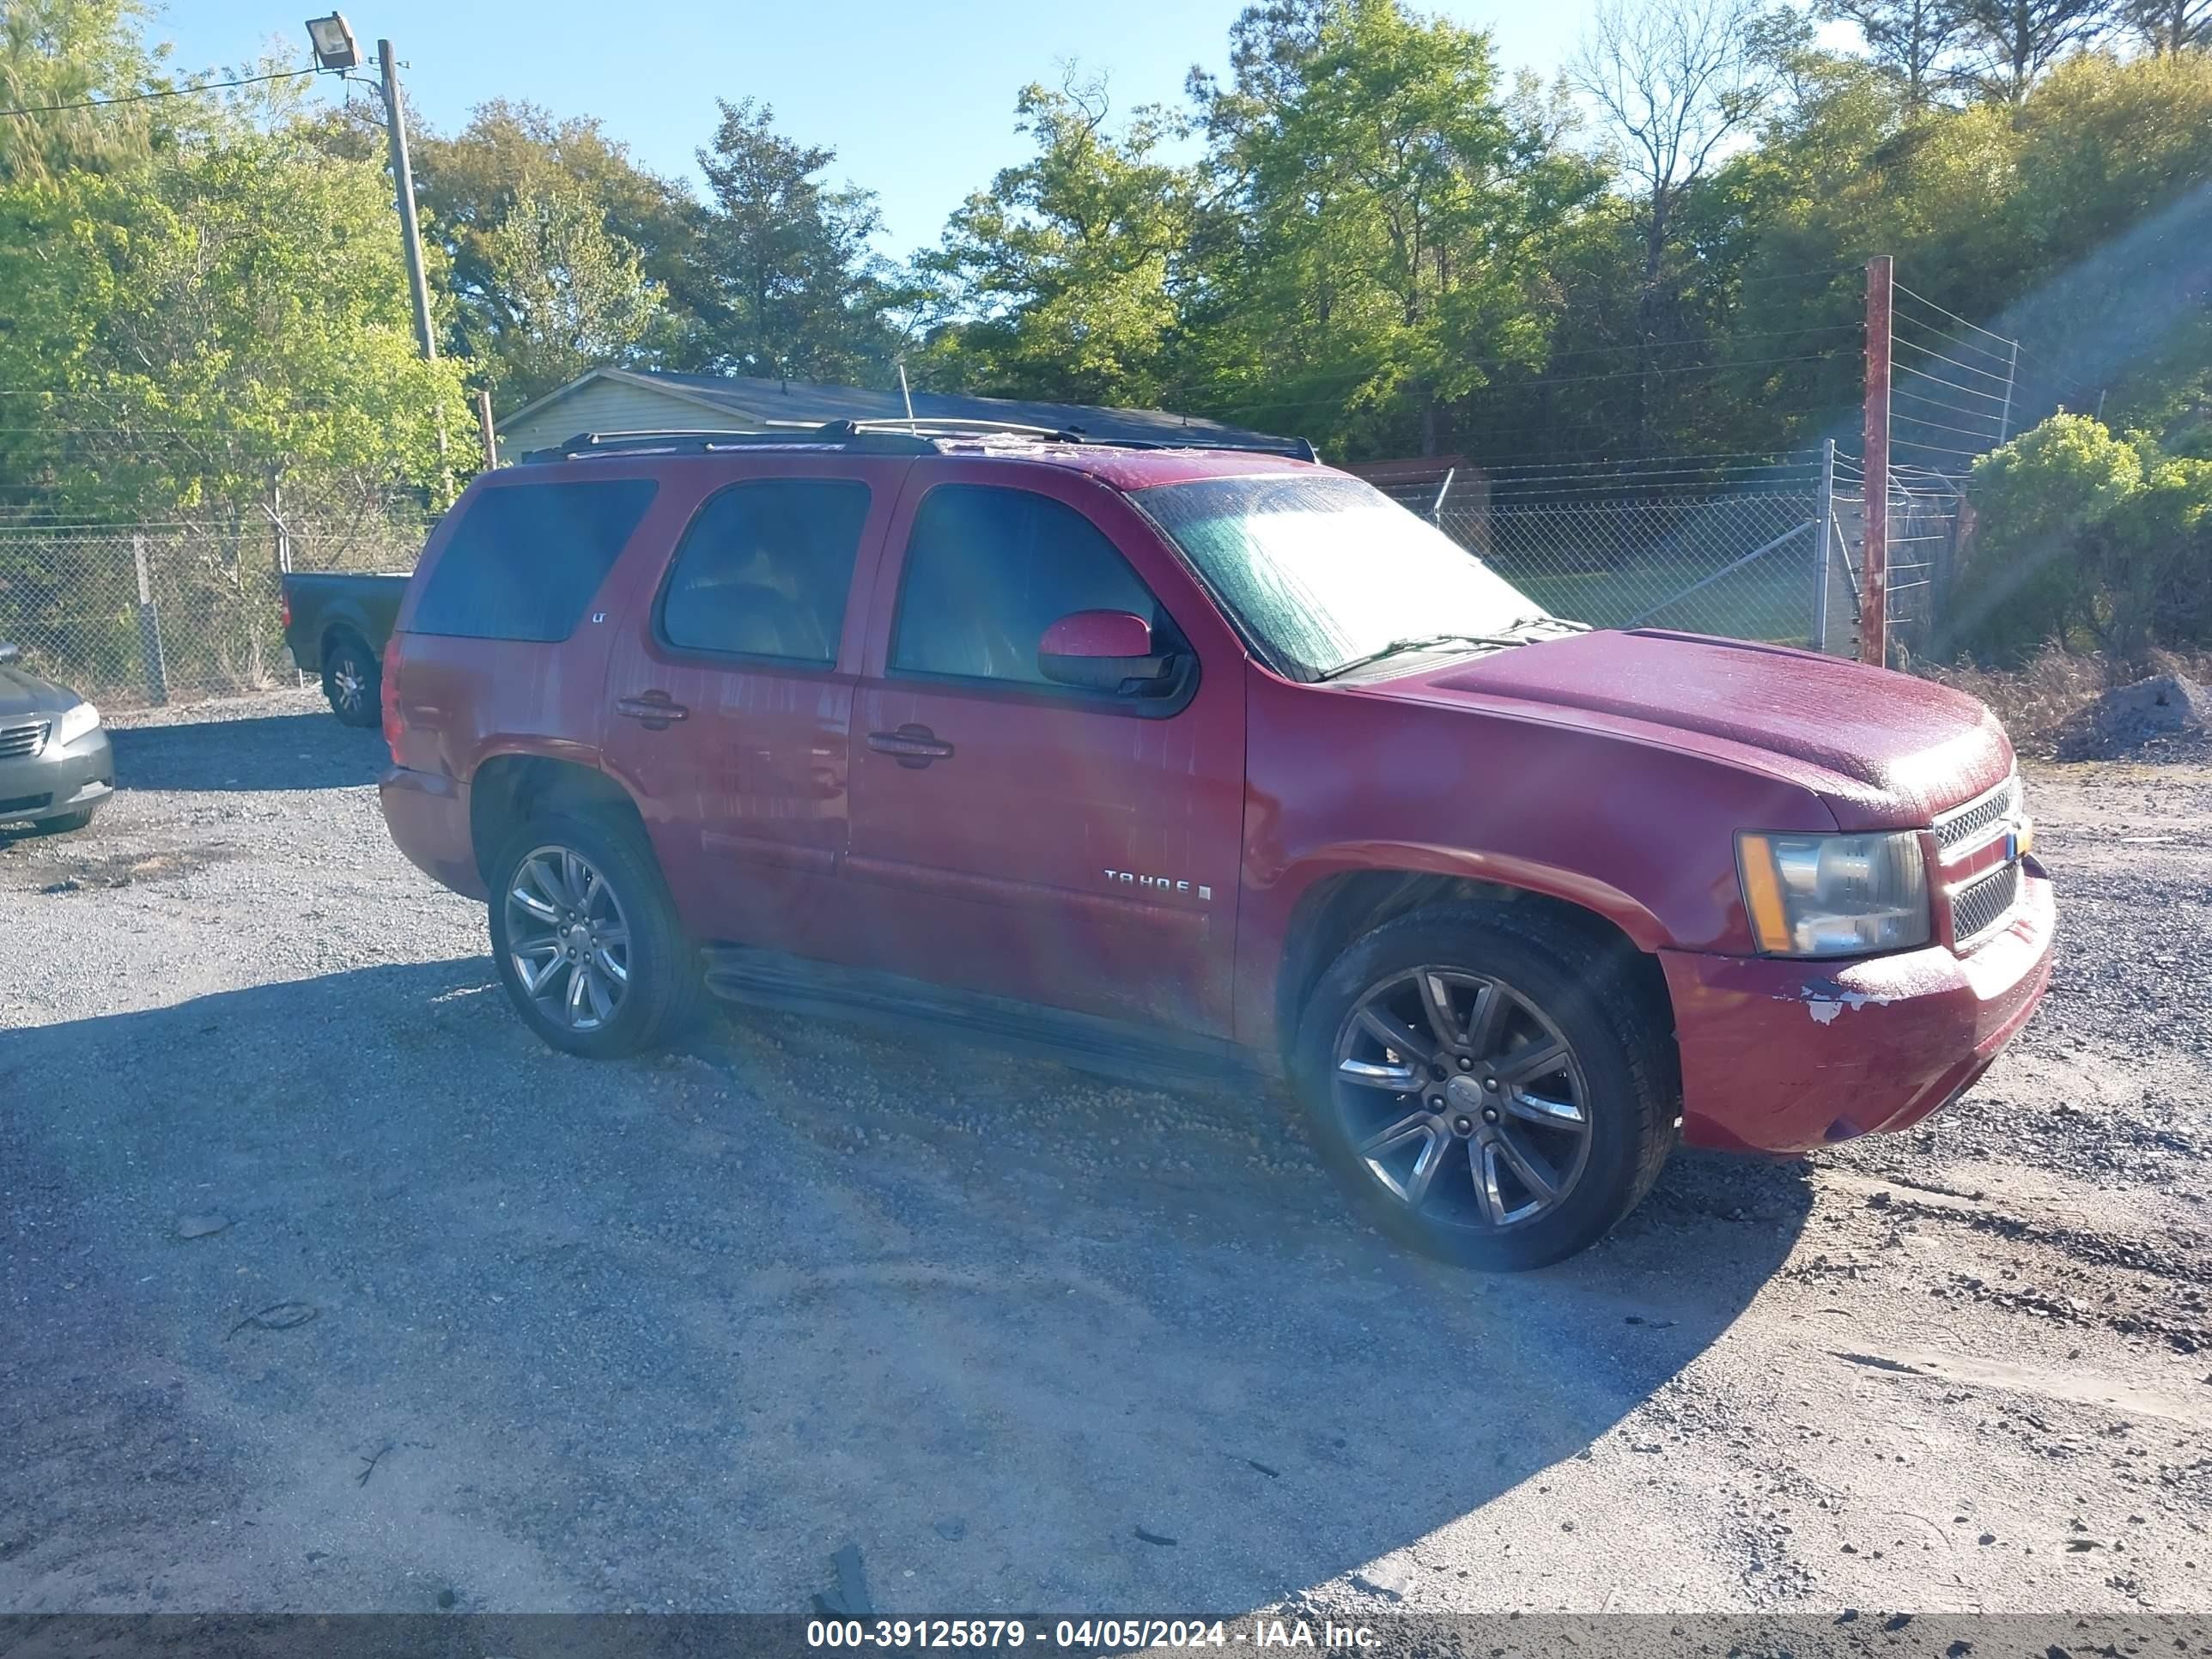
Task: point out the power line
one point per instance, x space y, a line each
163 91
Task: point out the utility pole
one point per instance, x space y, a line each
1874 602
403 178
485 430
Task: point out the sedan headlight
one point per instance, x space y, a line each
80 721
1834 896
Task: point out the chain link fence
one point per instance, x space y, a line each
133 614
1711 544
1752 547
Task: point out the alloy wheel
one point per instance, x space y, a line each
1464 1101
350 683
567 938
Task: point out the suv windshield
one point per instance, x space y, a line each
1325 571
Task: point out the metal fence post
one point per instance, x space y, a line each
1822 545
149 627
1874 549
2012 373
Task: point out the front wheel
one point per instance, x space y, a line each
586 939
1488 1095
352 681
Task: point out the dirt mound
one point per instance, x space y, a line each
2167 712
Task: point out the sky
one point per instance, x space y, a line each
917 100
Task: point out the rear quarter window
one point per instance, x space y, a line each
525 559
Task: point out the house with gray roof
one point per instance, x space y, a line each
637 399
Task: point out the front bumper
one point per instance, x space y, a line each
1781 1056
429 816
59 779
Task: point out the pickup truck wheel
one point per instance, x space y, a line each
353 682
586 939
1486 1096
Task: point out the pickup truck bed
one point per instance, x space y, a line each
336 624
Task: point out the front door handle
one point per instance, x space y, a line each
654 710
910 745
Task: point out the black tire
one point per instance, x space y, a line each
665 991
1616 1042
352 681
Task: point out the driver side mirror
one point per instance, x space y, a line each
1102 651
9 652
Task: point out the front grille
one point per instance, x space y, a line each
1982 904
1963 825
16 741
25 804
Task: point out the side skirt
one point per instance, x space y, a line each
1137 1054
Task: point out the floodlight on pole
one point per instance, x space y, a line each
332 40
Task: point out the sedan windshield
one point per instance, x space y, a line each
1326 572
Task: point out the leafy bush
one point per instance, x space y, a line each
2086 538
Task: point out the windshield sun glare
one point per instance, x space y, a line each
1324 570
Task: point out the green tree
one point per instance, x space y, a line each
1065 268
2088 537
1678 82
1377 244
1916 41
235 317
571 296
2019 40
788 280
467 184
2171 27
67 51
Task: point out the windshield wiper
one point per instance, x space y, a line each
1398 646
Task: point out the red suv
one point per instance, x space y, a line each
1202 760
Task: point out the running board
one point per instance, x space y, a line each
1148 1054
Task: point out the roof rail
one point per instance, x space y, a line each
699 440
1296 448
922 425
894 437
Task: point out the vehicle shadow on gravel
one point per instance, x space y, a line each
260 752
357 1258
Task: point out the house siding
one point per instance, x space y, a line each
611 406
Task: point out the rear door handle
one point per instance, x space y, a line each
656 710
910 745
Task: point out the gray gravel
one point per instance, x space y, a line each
325 1287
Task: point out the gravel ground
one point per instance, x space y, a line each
327 1287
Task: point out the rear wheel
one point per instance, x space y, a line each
1486 1095
586 939
352 681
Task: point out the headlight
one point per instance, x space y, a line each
80 721
1834 896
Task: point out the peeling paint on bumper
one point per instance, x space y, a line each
1784 1056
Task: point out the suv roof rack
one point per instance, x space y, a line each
919 436
700 440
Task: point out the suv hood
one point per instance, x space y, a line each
1885 749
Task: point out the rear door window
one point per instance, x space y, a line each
989 569
525 559
765 570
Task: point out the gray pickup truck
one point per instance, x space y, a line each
335 623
